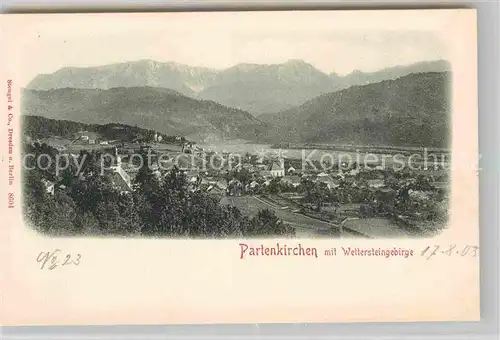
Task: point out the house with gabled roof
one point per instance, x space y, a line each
119 183
376 183
49 186
121 180
253 184
215 190
328 182
292 180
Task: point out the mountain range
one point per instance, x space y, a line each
255 88
412 110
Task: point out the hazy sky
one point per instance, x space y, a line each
333 42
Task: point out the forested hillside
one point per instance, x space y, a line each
410 111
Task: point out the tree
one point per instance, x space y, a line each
68 176
315 193
274 186
92 206
86 223
48 214
128 211
145 179
244 176
422 183
91 166
167 204
88 193
266 223
391 182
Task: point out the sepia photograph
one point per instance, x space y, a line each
316 134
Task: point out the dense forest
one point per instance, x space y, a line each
151 108
40 127
89 204
413 110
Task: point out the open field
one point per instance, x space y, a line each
377 227
311 227
76 148
363 148
56 141
305 226
160 147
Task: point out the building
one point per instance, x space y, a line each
221 185
187 146
193 176
265 173
249 167
419 195
339 175
120 182
234 187
277 169
49 186
215 190
254 185
294 181
86 137
328 182
441 185
156 171
354 172
121 179
167 165
376 183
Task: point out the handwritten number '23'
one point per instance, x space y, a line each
52 260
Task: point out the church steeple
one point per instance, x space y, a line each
281 162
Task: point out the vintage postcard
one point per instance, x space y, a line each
239 167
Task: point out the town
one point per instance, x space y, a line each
342 200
